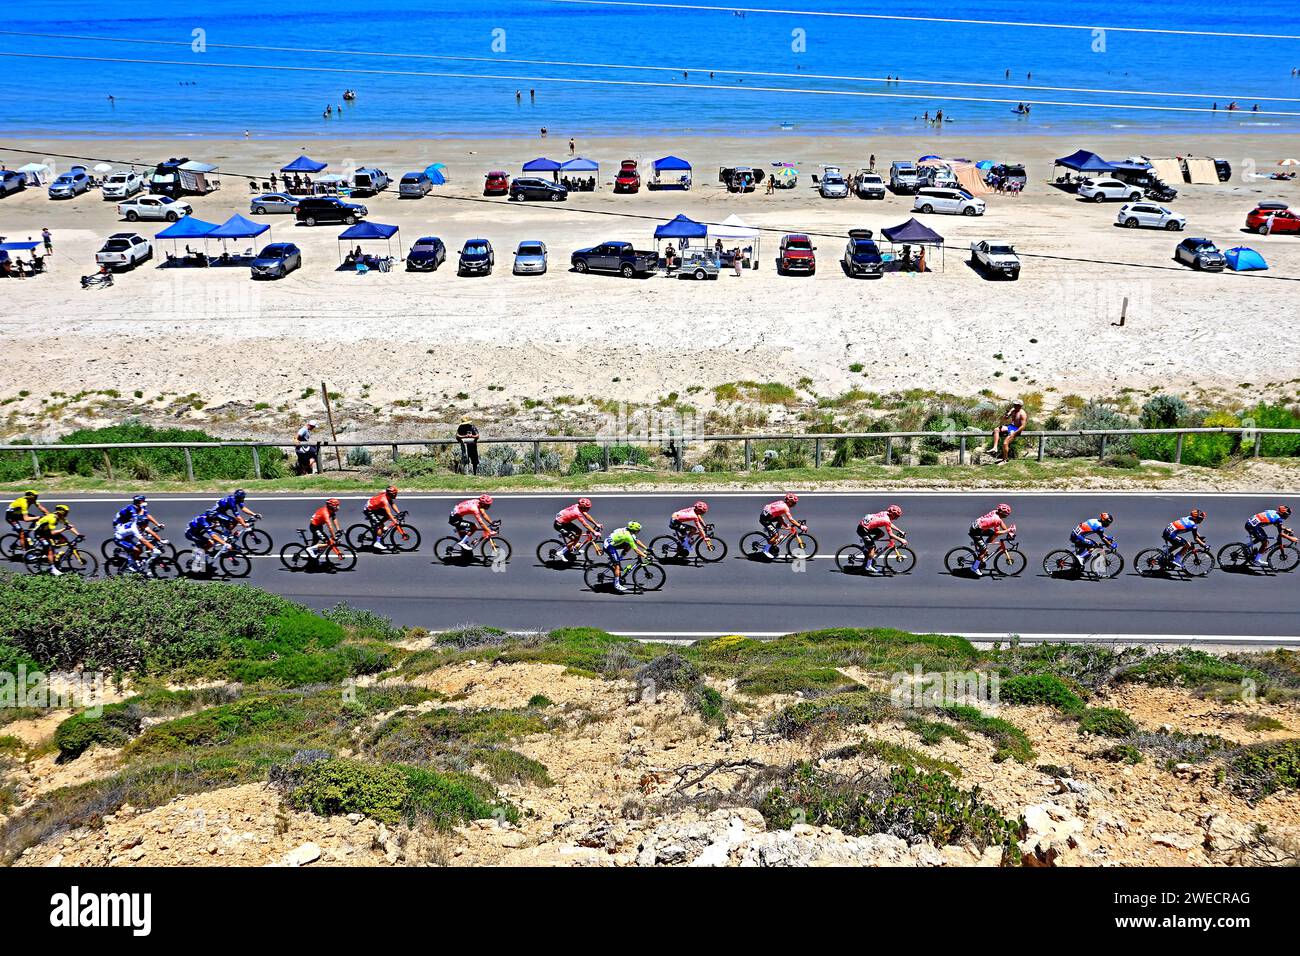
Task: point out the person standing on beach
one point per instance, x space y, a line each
572 146
467 437
872 163
48 239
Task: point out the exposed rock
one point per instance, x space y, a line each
1179 841
301 856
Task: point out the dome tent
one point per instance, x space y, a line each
1244 259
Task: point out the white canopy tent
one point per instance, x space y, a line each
36 174
733 231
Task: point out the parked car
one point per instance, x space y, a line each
936 177
946 200
738 179
995 258
1268 217
273 203
1152 186
833 185
426 254
317 209
1137 214
1009 173
414 186
497 183
1200 254
797 254
124 250
122 185
529 188
72 183
1224 170
530 258
11 181
902 177
628 179
699 264
476 258
868 185
369 181
276 260
153 207
1109 188
861 255
618 257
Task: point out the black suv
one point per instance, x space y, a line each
538 189
327 209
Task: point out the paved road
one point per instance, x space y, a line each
739 595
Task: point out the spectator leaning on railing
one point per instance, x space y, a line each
308 450
467 436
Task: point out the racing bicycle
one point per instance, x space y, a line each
394 533
587 548
707 548
1007 560
797 541
1099 561
153 563
68 558
331 556
1279 555
1197 563
225 561
892 557
490 547
640 574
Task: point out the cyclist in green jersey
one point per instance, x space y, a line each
619 543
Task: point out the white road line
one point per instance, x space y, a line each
984 637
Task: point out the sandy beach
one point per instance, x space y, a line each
400 337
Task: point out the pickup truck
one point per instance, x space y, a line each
995 258
617 257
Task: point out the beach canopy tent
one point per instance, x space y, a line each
303 164
18 246
680 227
1200 170
1167 168
237 227
924 158
1244 259
36 174
191 227
1082 161
369 232
666 164
541 165
964 171
677 169
1131 165
437 173
580 164
914 233
733 230
198 177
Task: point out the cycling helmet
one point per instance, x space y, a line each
485 500
333 504
1198 515
61 509
634 526
701 507
240 495
1105 518
791 499
141 519
1284 511
894 511
584 504
139 500
31 494
391 491
1003 509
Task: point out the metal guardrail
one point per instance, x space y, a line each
675 445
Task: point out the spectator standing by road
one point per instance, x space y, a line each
467 436
308 450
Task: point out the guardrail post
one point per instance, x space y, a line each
1101 453
961 455
604 457
678 452
889 451
817 452
749 455
1259 443
393 449
36 464
189 465
537 458
1178 450
108 465
1042 446
257 464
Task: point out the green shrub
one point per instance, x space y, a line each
1266 768
1009 741
1277 416
1163 411
359 622
835 710
1046 689
1121 753
1187 667
591 457
1203 450
114 727
1093 416
510 766
1106 722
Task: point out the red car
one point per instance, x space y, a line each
798 254
628 179
497 183
1284 220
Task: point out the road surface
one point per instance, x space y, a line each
740 595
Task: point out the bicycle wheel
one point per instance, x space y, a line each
851 559
1284 557
1108 564
360 537
900 560
1009 563
293 556
552 553
959 560
11 546
599 577
753 544
185 561
107 548
340 558
115 566
37 560
801 546
1235 556
1199 562
255 541
495 550
649 577
448 550
1151 561
404 538
76 561
593 552
666 548
232 564
164 567
1061 564
710 550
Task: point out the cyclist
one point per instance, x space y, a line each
203 532
775 516
986 529
324 527
379 509
139 509
1083 545
231 509
572 521
467 515
1256 525
872 526
127 536
51 529
19 513
1174 532
618 544
686 521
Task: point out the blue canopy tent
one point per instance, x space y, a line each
8 247
580 164
303 164
1244 259
543 165
368 232
236 227
671 165
437 173
191 227
914 233
1083 162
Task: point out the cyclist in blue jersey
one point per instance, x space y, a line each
1083 544
1256 527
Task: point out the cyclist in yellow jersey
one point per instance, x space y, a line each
51 530
19 513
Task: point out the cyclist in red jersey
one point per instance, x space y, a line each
379 509
872 526
324 527
986 529
775 516
572 521
684 521
470 516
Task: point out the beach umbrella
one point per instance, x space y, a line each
924 158
1289 162
788 172
984 164
102 167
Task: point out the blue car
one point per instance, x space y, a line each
426 255
276 261
72 183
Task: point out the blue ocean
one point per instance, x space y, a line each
456 69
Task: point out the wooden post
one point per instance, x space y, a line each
1259 443
537 458
108 465
257 464
393 449
889 451
1101 452
1123 312
678 453
1042 446
604 457
749 455
961 455
817 452
189 464
36 464
329 413
1178 450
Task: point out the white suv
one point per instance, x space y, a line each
1148 214
954 201
154 207
1100 190
122 185
122 250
